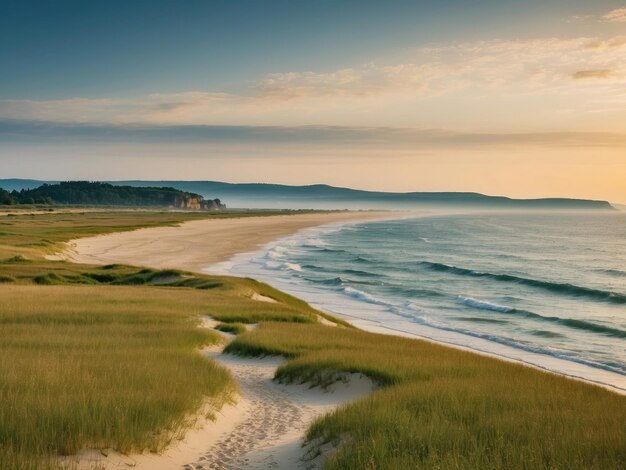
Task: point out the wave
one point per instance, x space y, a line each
613 272
293 267
569 322
413 292
546 334
611 366
369 298
416 315
335 281
482 320
358 272
559 288
281 266
481 304
324 250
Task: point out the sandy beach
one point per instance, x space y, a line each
197 244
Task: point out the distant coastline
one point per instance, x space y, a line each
319 196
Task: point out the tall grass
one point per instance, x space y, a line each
106 357
100 367
444 408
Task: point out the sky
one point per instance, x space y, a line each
525 99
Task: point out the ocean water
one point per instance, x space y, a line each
548 289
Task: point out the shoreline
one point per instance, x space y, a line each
330 302
194 245
178 247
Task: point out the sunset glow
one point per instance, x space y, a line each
523 101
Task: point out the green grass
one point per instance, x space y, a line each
444 408
96 367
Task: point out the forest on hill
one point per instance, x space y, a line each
96 194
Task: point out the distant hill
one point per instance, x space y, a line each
319 196
97 193
15 184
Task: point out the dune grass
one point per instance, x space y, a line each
107 356
114 366
438 407
92 367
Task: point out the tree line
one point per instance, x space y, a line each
96 193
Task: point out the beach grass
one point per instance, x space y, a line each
439 407
107 356
99 367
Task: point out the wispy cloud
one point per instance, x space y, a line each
618 15
586 74
450 75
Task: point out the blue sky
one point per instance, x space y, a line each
92 89
58 49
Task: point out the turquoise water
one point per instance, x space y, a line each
537 285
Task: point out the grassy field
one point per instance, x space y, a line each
106 356
100 367
444 408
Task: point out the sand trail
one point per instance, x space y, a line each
264 430
277 416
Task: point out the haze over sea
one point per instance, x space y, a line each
546 288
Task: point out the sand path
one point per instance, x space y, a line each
264 430
276 416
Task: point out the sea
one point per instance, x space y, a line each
547 289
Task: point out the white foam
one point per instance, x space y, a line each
484 305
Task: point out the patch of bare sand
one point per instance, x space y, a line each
262 298
278 415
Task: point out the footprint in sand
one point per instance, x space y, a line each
274 421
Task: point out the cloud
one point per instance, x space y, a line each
616 16
580 18
442 79
586 74
325 136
